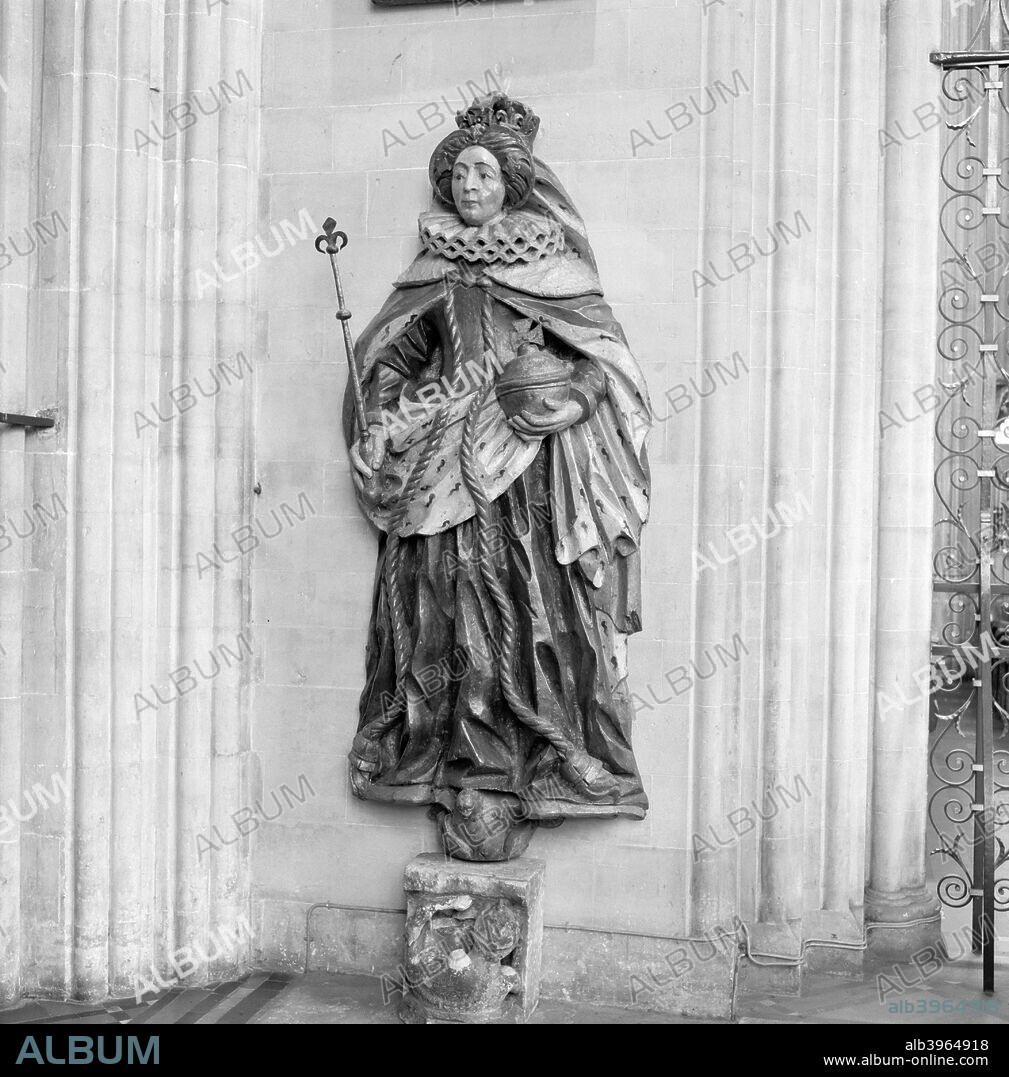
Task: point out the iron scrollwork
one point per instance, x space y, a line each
969 754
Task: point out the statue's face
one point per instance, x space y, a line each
477 186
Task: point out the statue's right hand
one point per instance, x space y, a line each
367 455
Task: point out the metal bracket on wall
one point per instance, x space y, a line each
11 419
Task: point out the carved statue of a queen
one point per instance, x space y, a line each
504 463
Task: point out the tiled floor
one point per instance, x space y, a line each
831 1000
274 998
321 998
351 1000
234 1003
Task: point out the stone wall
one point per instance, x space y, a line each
774 271
727 162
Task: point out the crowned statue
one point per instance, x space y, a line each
503 461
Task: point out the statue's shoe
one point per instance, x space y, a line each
588 775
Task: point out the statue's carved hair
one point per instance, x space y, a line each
509 148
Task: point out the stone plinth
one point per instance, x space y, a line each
474 940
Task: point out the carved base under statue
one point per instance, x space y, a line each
474 939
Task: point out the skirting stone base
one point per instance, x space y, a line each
892 926
776 958
776 967
697 977
845 931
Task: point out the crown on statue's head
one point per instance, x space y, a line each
499 110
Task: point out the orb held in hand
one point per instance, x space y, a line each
531 381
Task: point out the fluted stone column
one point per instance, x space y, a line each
843 473
782 325
210 209
718 498
896 891
22 386
786 473
99 323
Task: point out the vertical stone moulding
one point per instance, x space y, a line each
901 910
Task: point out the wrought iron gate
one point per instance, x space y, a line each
970 712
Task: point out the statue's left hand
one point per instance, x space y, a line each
531 425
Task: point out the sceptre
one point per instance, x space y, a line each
332 242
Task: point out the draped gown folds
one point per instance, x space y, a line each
557 534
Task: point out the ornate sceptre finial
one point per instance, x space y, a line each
332 242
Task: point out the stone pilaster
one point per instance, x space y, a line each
101 322
896 891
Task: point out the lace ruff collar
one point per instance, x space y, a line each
520 236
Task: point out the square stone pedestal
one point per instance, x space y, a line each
474 940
